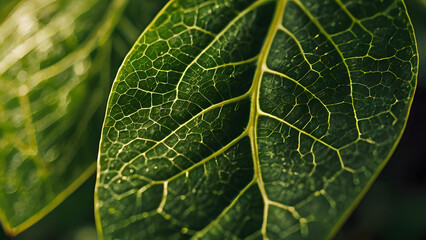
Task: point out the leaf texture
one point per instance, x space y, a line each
55 72
253 119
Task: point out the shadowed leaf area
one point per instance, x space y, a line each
253 119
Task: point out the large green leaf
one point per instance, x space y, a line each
55 72
251 119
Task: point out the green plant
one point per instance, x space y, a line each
227 119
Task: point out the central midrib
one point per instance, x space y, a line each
255 107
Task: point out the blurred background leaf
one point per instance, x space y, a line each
417 11
58 59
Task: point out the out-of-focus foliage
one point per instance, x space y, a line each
57 60
417 11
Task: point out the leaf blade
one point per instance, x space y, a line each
307 122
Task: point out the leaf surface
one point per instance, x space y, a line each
55 72
253 119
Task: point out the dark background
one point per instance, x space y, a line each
394 208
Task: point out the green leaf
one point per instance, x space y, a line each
253 119
55 72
